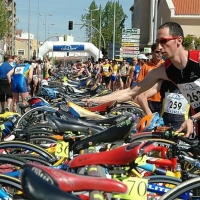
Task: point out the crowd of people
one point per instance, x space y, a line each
20 78
158 84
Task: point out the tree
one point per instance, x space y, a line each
3 20
191 42
107 26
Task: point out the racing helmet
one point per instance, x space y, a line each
149 122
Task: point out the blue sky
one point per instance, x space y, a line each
62 11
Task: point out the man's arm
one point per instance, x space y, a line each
30 74
130 93
142 98
9 74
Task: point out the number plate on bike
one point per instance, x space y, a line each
137 189
62 149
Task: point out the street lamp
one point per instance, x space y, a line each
29 7
114 30
91 20
104 43
48 27
100 31
45 21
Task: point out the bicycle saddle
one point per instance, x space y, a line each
105 107
97 123
69 182
114 133
78 111
119 156
63 125
35 187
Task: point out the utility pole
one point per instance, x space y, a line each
155 20
13 29
99 30
114 30
29 8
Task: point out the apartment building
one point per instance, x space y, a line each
184 12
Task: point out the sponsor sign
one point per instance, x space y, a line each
68 47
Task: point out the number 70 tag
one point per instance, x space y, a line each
137 189
62 149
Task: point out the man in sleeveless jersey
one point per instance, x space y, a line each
123 73
106 71
115 74
181 67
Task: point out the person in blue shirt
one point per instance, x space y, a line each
5 91
22 75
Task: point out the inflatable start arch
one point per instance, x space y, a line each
63 46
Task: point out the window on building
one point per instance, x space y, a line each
21 52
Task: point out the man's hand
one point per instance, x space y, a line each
187 125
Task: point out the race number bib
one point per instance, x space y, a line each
175 103
123 72
105 69
19 70
191 92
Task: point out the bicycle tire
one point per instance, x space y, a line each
163 179
8 180
12 159
159 141
40 132
40 126
34 158
143 136
127 108
43 138
182 188
29 113
27 146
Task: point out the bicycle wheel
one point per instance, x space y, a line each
40 132
34 115
34 158
184 187
143 136
10 185
11 159
10 163
13 147
123 109
163 179
41 126
43 141
161 142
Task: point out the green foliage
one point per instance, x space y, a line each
107 22
188 42
3 20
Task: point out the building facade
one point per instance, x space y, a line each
21 44
184 12
12 21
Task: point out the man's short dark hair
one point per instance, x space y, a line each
175 29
